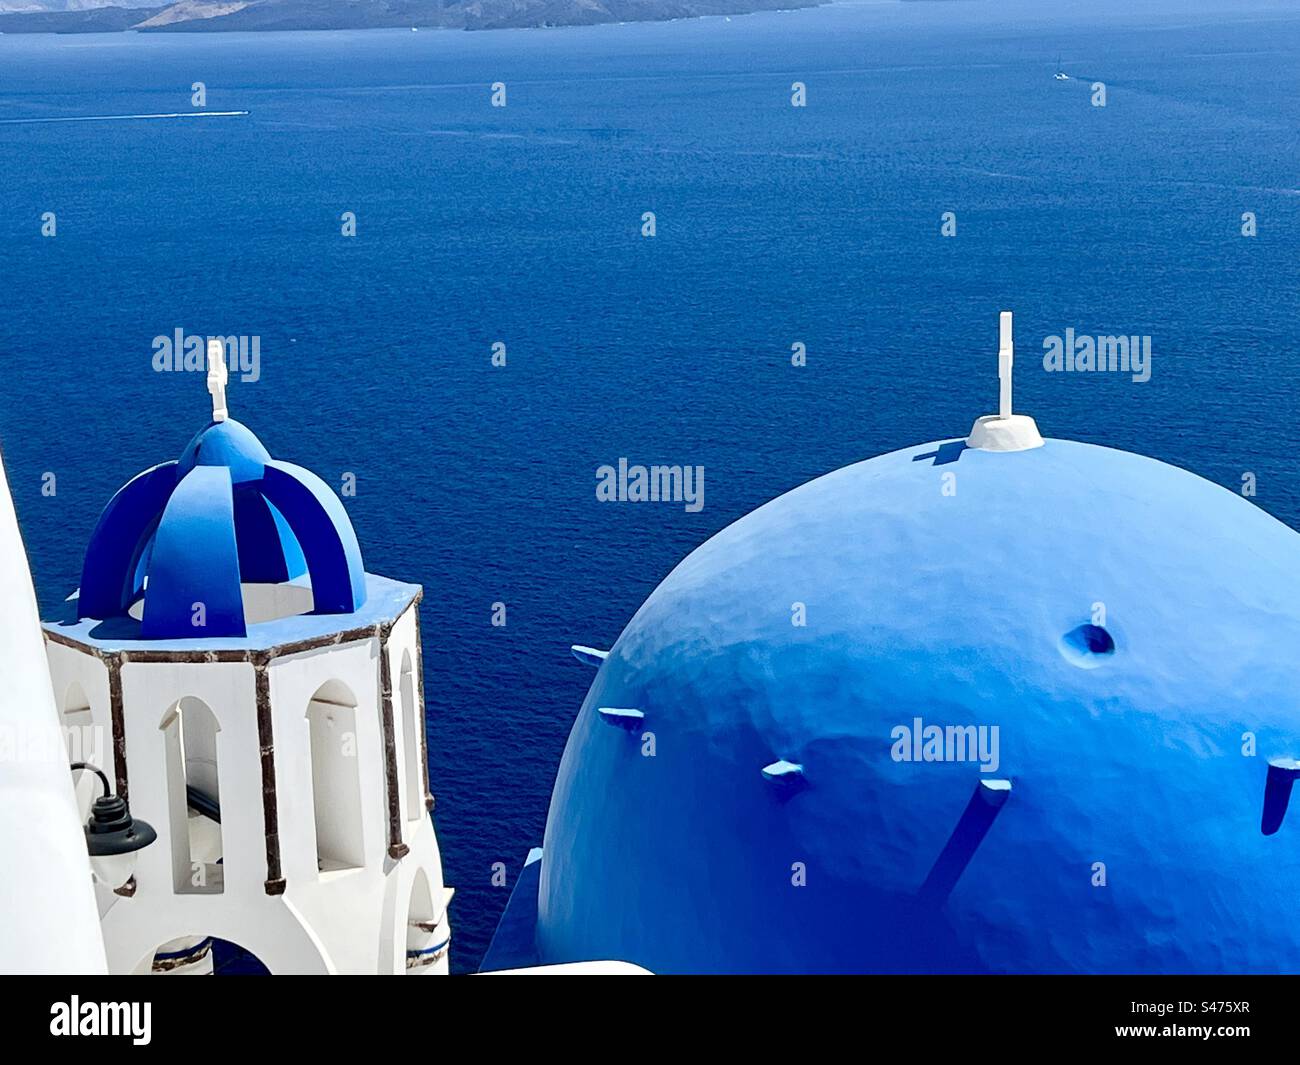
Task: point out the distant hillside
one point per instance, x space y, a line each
92 20
7 6
202 16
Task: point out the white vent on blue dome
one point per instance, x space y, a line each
621 717
589 656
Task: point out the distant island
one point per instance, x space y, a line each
208 16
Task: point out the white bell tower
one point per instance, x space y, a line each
260 699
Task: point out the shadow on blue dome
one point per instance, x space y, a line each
269 552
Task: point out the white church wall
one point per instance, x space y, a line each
404 898
343 905
407 897
335 778
295 680
270 928
242 913
342 919
408 718
150 692
47 880
77 675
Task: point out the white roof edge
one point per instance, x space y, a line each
577 968
51 920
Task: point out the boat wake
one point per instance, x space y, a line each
121 118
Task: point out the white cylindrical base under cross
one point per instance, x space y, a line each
993 433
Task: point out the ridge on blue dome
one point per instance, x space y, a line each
199 530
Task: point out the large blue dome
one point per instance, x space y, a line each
1128 628
192 533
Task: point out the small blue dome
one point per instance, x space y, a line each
778 804
229 443
191 533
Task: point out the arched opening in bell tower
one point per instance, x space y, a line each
190 743
426 936
412 727
335 778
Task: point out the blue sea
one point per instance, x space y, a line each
775 226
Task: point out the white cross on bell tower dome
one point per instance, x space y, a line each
218 375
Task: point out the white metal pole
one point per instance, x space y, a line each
1006 356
